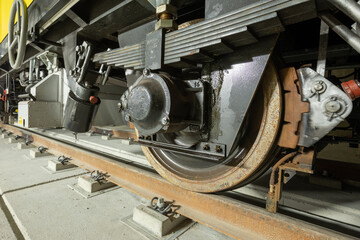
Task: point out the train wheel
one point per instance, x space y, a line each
253 156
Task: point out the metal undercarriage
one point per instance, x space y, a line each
208 89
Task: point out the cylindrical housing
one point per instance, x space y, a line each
159 103
79 114
352 89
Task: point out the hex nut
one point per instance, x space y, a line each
166 8
166 23
218 149
206 147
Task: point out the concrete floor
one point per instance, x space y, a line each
44 207
340 205
6 232
40 205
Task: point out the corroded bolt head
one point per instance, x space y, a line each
206 147
218 149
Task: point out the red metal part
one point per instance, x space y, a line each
4 96
93 100
352 89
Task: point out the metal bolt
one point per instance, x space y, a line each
119 105
79 49
206 147
62 159
42 149
218 149
97 175
333 106
71 73
319 86
161 203
146 71
165 121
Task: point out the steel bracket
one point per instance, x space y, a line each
302 162
329 106
154 49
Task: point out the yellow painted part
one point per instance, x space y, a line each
5 7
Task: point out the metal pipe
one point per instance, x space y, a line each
26 95
344 32
349 7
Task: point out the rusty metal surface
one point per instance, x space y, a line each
296 161
231 217
293 110
304 161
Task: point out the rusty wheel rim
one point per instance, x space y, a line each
255 153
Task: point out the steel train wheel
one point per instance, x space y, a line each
253 156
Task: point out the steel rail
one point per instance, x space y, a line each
233 218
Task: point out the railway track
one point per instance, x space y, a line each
223 212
